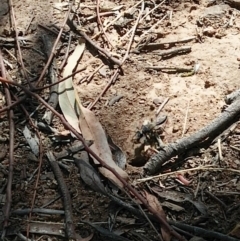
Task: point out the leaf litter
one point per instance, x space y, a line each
122 124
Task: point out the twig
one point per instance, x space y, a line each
89 78
217 199
52 73
116 73
105 53
153 27
40 157
54 47
155 45
171 70
113 78
145 215
29 24
9 107
234 148
17 42
162 105
152 10
150 222
38 210
67 203
22 237
171 52
50 202
7 206
66 54
100 14
200 168
133 34
185 120
220 150
206 133
100 23
119 16
89 150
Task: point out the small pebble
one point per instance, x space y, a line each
175 129
158 101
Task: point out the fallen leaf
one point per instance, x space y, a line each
88 173
92 130
155 204
118 155
67 98
32 141
236 231
181 197
173 206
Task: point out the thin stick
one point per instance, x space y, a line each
152 10
7 206
100 23
113 78
17 42
40 160
185 119
89 78
73 26
162 105
116 73
115 20
66 54
220 150
54 47
133 33
202 168
67 201
151 29
123 37
145 215
235 148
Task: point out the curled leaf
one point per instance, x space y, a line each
67 99
92 130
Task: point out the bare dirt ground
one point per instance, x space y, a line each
206 198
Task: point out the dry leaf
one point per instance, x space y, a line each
154 203
88 238
236 231
92 130
67 100
118 155
88 173
32 141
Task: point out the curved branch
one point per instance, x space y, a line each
210 131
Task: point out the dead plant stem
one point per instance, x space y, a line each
18 45
200 168
100 23
7 206
54 47
116 73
